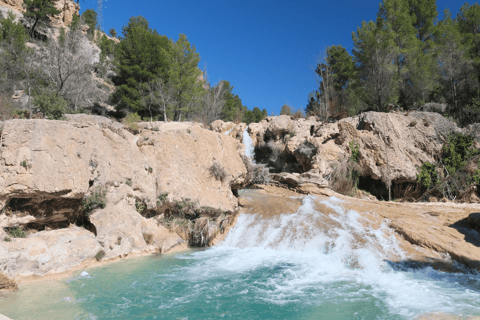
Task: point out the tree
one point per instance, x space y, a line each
454 66
140 58
233 104
90 18
184 76
213 102
423 14
113 33
67 67
39 12
374 52
161 97
286 110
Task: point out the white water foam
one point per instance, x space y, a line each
248 142
323 258
228 132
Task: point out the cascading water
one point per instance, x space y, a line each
248 142
319 262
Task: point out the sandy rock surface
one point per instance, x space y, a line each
48 167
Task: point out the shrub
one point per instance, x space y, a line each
25 164
128 182
428 175
50 104
217 171
119 240
131 121
100 255
150 170
7 239
148 238
139 205
95 201
457 150
17 232
345 177
355 151
307 149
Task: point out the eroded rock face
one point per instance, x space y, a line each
390 145
48 167
68 9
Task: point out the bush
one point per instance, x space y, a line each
131 121
428 175
100 255
148 238
95 201
457 151
50 104
17 232
217 171
119 240
25 164
355 151
7 239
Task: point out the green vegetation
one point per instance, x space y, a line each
89 16
39 12
25 164
50 104
457 172
405 57
286 110
7 239
17 232
355 157
95 201
119 240
100 255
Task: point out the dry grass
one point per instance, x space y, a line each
344 178
148 238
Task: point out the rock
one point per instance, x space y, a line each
51 166
68 8
381 138
420 232
47 252
474 219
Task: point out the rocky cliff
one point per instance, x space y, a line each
52 170
68 10
391 146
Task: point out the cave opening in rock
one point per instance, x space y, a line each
275 157
49 213
375 187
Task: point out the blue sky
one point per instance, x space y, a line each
267 50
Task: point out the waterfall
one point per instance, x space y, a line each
248 142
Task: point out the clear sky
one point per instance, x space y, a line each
266 49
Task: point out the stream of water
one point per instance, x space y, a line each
283 267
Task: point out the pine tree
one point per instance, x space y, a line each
39 12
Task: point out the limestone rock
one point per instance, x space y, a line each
474 219
47 252
50 166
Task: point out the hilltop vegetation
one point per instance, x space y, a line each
81 69
407 57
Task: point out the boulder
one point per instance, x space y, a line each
474 219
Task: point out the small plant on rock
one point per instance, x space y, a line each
17 232
25 164
7 239
129 182
150 170
148 238
119 240
100 255
355 151
217 171
95 201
